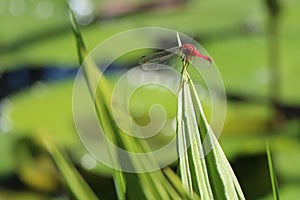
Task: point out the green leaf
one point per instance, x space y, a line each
152 185
273 178
175 180
211 175
81 48
74 181
92 74
192 167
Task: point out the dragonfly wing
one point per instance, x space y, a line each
200 63
154 66
155 57
159 60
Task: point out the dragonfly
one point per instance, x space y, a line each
162 59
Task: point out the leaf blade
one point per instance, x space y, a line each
273 178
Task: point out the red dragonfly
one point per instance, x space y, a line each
162 59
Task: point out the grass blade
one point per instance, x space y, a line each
175 180
92 74
192 167
210 176
153 185
74 181
81 49
273 178
223 182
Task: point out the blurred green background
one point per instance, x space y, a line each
255 45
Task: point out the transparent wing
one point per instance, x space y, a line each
200 63
160 60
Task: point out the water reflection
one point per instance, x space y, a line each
13 81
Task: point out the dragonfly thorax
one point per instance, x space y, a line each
188 50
